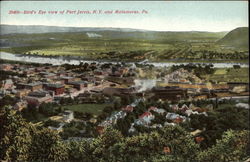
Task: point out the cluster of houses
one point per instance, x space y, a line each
145 119
45 84
172 118
182 76
112 119
48 83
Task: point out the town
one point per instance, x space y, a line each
124 81
80 101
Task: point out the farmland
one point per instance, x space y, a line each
229 75
126 46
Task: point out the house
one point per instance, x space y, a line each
57 88
100 129
113 118
178 120
184 107
155 109
199 139
7 84
242 105
152 108
166 150
145 118
176 117
175 107
6 67
20 105
132 128
68 116
22 93
189 112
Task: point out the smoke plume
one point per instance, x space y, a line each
144 84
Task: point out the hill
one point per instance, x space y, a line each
112 33
32 29
117 44
236 38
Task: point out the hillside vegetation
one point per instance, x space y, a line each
236 38
120 44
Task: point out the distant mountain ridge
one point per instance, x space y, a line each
31 29
236 38
114 33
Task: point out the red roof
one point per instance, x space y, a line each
145 114
152 108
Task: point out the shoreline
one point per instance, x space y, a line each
59 60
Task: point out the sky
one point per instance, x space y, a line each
212 16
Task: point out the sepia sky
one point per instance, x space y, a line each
162 15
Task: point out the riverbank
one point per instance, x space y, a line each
59 60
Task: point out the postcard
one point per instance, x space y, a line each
127 81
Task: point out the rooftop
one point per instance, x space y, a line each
55 85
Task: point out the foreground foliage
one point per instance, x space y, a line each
22 141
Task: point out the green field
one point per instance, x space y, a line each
128 46
229 75
95 109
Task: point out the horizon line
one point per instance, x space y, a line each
139 29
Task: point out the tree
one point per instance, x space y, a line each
232 147
15 136
22 141
236 66
147 145
79 151
47 109
102 145
7 100
47 146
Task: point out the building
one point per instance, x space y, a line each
128 108
232 85
20 105
7 84
31 86
155 109
22 93
169 93
176 118
145 118
68 116
6 67
79 84
56 88
67 79
37 98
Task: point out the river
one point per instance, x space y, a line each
62 60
